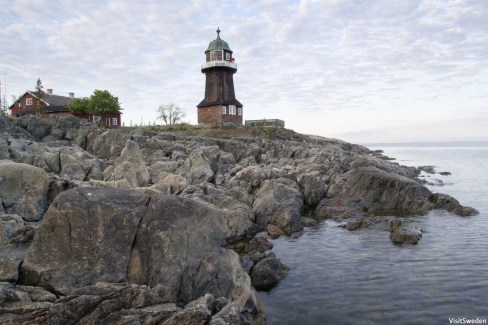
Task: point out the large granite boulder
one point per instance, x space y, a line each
201 165
279 202
131 166
112 235
313 186
106 144
268 272
78 164
238 218
36 126
373 189
23 189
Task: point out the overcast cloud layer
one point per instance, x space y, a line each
363 71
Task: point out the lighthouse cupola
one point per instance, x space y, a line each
220 105
218 50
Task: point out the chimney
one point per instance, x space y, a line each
50 91
71 95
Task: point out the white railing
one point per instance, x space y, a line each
219 64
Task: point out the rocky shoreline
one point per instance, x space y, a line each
158 226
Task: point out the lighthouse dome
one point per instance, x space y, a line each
218 44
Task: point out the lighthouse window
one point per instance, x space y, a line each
232 109
224 111
216 55
227 56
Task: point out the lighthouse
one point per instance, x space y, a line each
220 105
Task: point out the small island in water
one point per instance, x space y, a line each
171 225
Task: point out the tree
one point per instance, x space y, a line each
170 113
100 103
80 105
39 87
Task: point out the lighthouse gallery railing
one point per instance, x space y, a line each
219 64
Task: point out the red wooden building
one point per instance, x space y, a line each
31 102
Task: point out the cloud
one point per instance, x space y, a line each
309 59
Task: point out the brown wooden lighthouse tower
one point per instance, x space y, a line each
220 105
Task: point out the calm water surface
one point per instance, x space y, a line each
360 277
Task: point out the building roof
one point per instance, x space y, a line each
220 101
218 44
55 101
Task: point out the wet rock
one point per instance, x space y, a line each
268 272
427 169
23 189
309 222
358 222
445 173
274 231
401 234
435 182
251 246
447 202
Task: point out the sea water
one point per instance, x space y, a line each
361 277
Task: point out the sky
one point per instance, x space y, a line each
362 71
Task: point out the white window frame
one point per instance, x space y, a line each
20 104
224 110
232 109
114 121
239 110
227 56
28 101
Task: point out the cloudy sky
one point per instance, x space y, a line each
363 71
